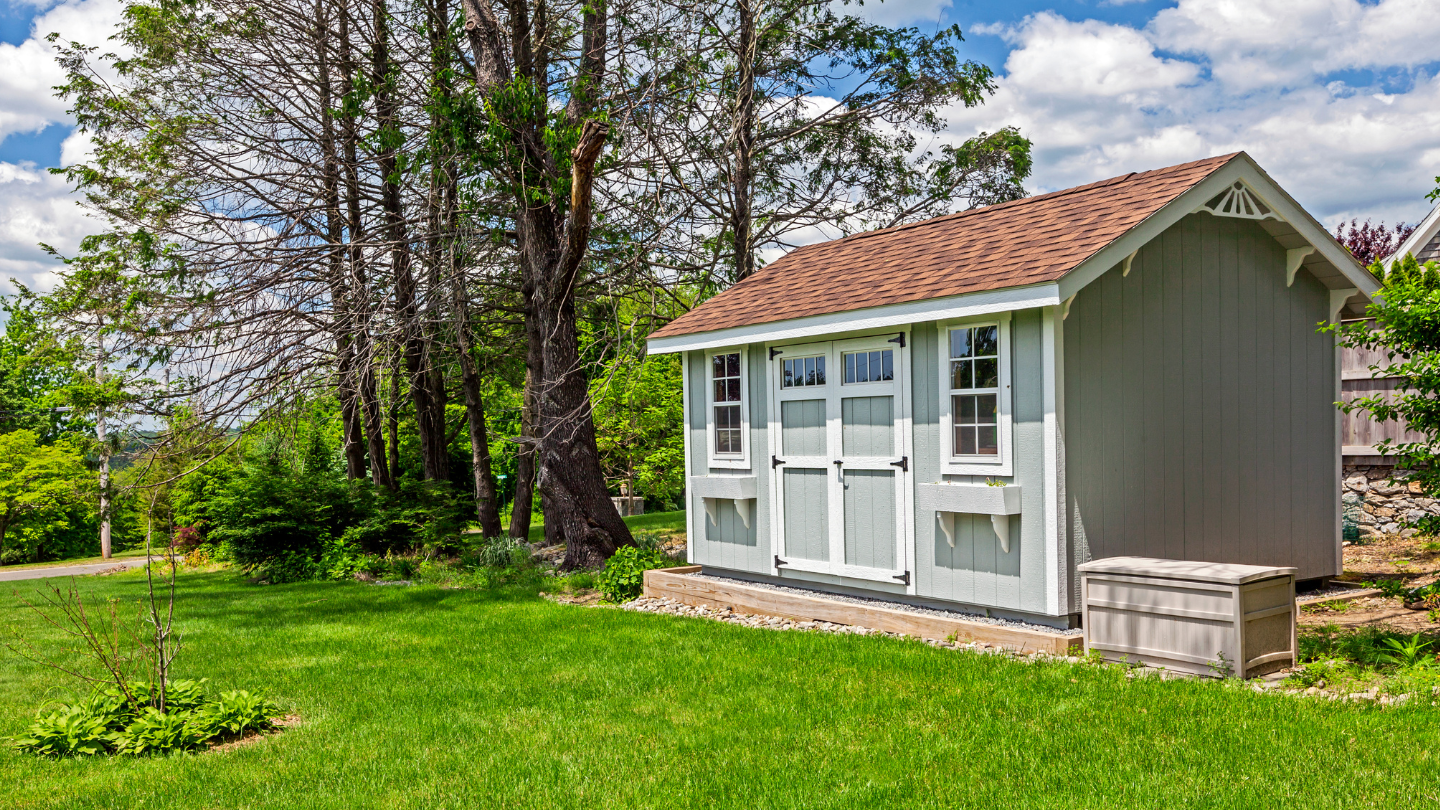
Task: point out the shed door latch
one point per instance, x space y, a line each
903 463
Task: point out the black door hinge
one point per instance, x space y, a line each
904 578
900 338
903 463
779 562
774 352
775 462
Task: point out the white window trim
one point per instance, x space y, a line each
1002 464
732 461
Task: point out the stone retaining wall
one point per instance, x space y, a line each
1379 501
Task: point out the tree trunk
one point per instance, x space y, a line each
335 236
395 423
552 249
742 142
359 289
429 408
525 459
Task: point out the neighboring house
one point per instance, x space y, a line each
1424 241
1135 360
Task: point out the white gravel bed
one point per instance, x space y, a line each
672 607
1330 591
860 600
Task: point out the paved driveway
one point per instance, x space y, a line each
70 570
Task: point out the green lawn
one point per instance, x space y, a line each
658 522
429 698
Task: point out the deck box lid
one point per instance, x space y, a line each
1193 570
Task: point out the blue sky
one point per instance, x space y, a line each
1338 100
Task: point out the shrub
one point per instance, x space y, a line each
624 575
187 539
499 552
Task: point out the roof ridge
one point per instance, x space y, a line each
1049 195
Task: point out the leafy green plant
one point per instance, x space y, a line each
155 732
1404 652
1392 588
68 731
624 575
233 712
108 722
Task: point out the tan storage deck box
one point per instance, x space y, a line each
1214 619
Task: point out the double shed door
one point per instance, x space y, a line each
841 476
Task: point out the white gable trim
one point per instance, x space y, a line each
935 309
1243 169
1426 231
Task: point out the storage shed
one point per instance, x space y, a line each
960 411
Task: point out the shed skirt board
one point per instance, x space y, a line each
742 598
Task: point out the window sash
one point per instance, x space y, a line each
974 389
726 418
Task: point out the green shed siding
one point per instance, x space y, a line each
976 571
1198 405
727 543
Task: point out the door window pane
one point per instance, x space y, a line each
802 372
876 366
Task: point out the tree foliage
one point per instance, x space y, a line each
1406 328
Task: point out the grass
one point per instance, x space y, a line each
662 523
431 698
120 554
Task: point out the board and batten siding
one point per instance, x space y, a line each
976 572
1199 409
728 543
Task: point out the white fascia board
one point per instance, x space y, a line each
1241 168
1422 235
935 309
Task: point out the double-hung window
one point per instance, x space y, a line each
728 417
976 393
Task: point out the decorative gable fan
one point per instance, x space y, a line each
1238 201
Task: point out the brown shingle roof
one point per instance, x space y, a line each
1030 241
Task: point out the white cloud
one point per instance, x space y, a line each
28 71
1283 43
35 207
1100 100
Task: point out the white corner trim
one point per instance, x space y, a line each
990 302
1125 271
1337 301
1294 257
